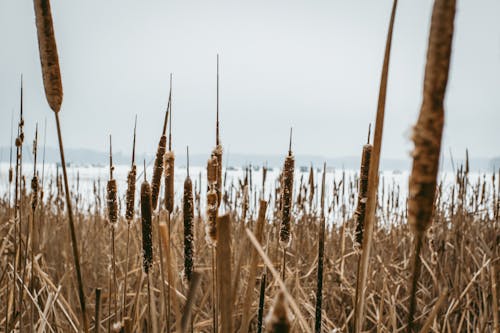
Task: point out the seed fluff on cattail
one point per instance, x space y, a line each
211 224
112 190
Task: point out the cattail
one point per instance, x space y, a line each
54 94
217 153
112 201
287 192
132 174
428 132
168 162
112 190
34 192
147 241
359 214
130 195
11 175
429 128
311 185
158 171
211 227
188 212
278 319
48 54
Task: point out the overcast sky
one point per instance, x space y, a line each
314 65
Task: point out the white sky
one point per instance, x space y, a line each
313 65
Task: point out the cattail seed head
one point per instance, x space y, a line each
11 175
359 214
112 201
217 152
428 131
212 166
147 241
34 192
278 319
286 197
158 171
211 226
188 213
168 162
130 195
48 54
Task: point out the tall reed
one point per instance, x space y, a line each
321 255
427 135
52 83
371 203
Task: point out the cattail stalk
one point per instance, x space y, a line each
129 213
287 194
54 93
188 214
158 164
321 254
112 206
373 184
427 134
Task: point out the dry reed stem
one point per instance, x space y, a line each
279 281
373 183
248 299
188 308
437 306
223 256
278 319
321 254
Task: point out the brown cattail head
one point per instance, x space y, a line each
286 198
48 54
112 201
130 195
212 166
188 212
168 162
158 171
428 131
278 319
211 226
11 175
147 241
217 153
34 192
359 214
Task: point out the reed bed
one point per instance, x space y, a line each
359 259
